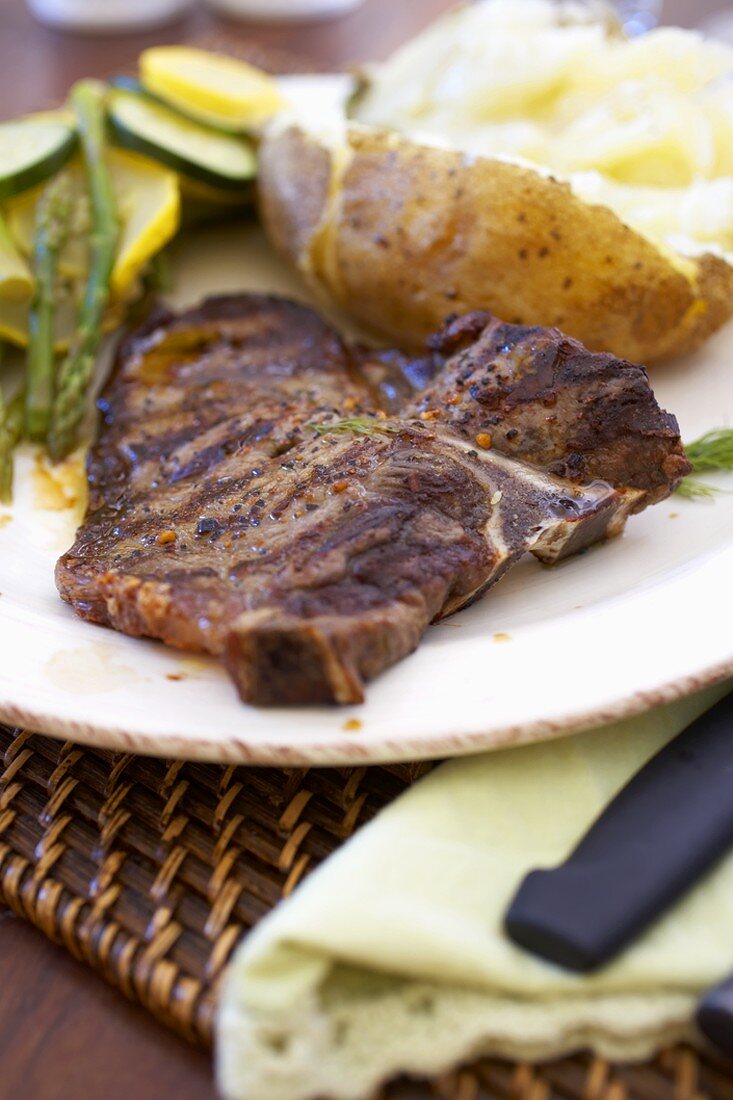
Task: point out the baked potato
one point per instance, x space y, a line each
528 187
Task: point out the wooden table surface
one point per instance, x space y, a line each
64 1035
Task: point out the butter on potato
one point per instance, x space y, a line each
526 158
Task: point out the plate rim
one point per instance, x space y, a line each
352 752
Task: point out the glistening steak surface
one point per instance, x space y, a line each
310 559
544 399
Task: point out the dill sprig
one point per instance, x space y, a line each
712 451
359 425
693 489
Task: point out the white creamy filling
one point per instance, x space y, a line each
690 221
643 126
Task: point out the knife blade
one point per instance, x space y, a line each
670 823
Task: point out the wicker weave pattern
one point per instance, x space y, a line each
151 871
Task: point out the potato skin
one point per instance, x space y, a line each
400 235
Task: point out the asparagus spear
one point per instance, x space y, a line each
11 429
52 226
75 373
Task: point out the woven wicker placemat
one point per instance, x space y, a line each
152 871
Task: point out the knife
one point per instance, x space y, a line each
714 1017
658 836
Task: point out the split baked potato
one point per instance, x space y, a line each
527 159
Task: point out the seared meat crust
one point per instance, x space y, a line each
311 558
545 399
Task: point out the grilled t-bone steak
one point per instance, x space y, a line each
543 398
248 497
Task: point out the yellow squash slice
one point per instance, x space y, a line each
16 282
149 204
220 91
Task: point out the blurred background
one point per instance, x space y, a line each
39 61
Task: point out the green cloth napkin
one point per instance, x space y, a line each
391 957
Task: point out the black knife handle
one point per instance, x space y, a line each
714 1017
667 826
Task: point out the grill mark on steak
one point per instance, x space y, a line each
310 561
543 398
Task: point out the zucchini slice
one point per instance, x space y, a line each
31 150
125 83
220 160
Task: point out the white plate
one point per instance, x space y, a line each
627 625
